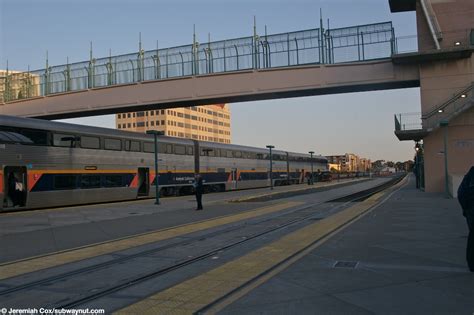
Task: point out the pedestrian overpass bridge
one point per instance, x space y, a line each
302 63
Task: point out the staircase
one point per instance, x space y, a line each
414 126
444 113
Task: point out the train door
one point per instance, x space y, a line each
15 179
234 178
143 181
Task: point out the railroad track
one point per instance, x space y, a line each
252 231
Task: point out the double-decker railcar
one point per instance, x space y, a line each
49 164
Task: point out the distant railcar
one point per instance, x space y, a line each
49 164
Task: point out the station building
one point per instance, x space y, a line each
348 162
206 123
444 132
18 85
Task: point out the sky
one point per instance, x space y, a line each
360 123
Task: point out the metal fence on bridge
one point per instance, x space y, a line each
314 46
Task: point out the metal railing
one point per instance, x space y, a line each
314 46
408 121
457 104
460 102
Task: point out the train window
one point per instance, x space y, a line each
221 170
39 137
260 156
133 146
161 148
4 138
14 137
229 154
90 181
148 147
62 182
24 136
64 140
113 181
179 149
189 150
90 142
252 155
113 144
207 152
237 154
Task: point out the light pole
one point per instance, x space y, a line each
417 164
444 125
271 166
156 133
312 172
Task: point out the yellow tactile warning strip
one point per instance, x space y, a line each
192 295
16 268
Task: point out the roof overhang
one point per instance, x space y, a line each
433 55
415 135
402 5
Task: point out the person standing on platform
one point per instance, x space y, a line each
466 199
199 189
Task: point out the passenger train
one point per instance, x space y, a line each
49 164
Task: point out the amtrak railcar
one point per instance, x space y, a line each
50 164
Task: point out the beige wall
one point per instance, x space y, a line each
22 84
460 151
439 81
207 123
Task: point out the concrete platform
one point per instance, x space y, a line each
408 255
37 232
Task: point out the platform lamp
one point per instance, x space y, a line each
312 172
156 133
271 165
444 125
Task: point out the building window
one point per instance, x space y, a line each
119 116
129 125
152 113
152 123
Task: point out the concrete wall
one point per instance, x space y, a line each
439 81
460 151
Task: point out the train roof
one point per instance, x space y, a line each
75 128
33 123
